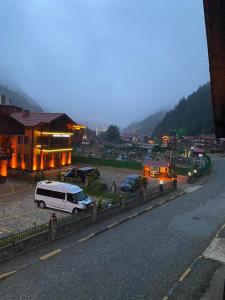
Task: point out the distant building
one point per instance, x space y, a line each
36 141
154 168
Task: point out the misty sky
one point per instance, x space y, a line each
113 61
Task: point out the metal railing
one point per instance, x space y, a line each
24 234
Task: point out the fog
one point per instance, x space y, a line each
113 61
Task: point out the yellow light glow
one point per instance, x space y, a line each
69 158
78 127
56 150
38 146
52 162
63 160
57 133
3 168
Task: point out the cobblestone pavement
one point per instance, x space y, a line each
18 211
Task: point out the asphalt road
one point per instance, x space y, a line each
140 259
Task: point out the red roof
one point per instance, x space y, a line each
33 119
155 163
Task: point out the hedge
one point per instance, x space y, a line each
129 164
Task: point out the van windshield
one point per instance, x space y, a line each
80 196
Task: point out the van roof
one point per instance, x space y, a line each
62 186
86 169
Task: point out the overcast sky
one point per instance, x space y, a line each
113 61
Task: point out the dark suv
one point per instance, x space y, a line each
131 183
82 173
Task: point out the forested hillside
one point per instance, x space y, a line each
147 126
19 98
191 116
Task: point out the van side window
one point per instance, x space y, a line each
44 192
71 198
58 195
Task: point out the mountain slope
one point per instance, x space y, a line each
19 98
147 126
191 116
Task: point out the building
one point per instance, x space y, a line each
215 29
153 168
36 141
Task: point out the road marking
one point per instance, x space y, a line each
86 238
184 274
5 275
50 254
133 216
113 225
148 208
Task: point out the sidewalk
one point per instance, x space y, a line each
216 253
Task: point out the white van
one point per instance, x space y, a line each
60 195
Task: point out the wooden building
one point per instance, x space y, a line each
37 141
153 168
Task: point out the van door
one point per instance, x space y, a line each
58 200
71 202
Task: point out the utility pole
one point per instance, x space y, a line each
174 149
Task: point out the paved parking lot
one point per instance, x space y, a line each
109 174
18 210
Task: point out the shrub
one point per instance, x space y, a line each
99 204
39 176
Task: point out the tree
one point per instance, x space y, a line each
112 133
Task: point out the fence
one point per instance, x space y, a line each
23 240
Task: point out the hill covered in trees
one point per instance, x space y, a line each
191 116
147 126
20 99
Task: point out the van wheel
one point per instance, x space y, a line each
75 211
42 204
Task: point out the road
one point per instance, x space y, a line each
140 259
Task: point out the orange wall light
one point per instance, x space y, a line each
3 168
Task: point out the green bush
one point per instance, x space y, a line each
99 204
39 176
96 188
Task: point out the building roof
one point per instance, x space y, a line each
215 29
32 119
155 163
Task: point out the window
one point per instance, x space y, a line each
49 193
81 196
58 195
71 198
44 192
26 140
21 139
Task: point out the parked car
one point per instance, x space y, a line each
88 171
131 183
62 196
82 173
